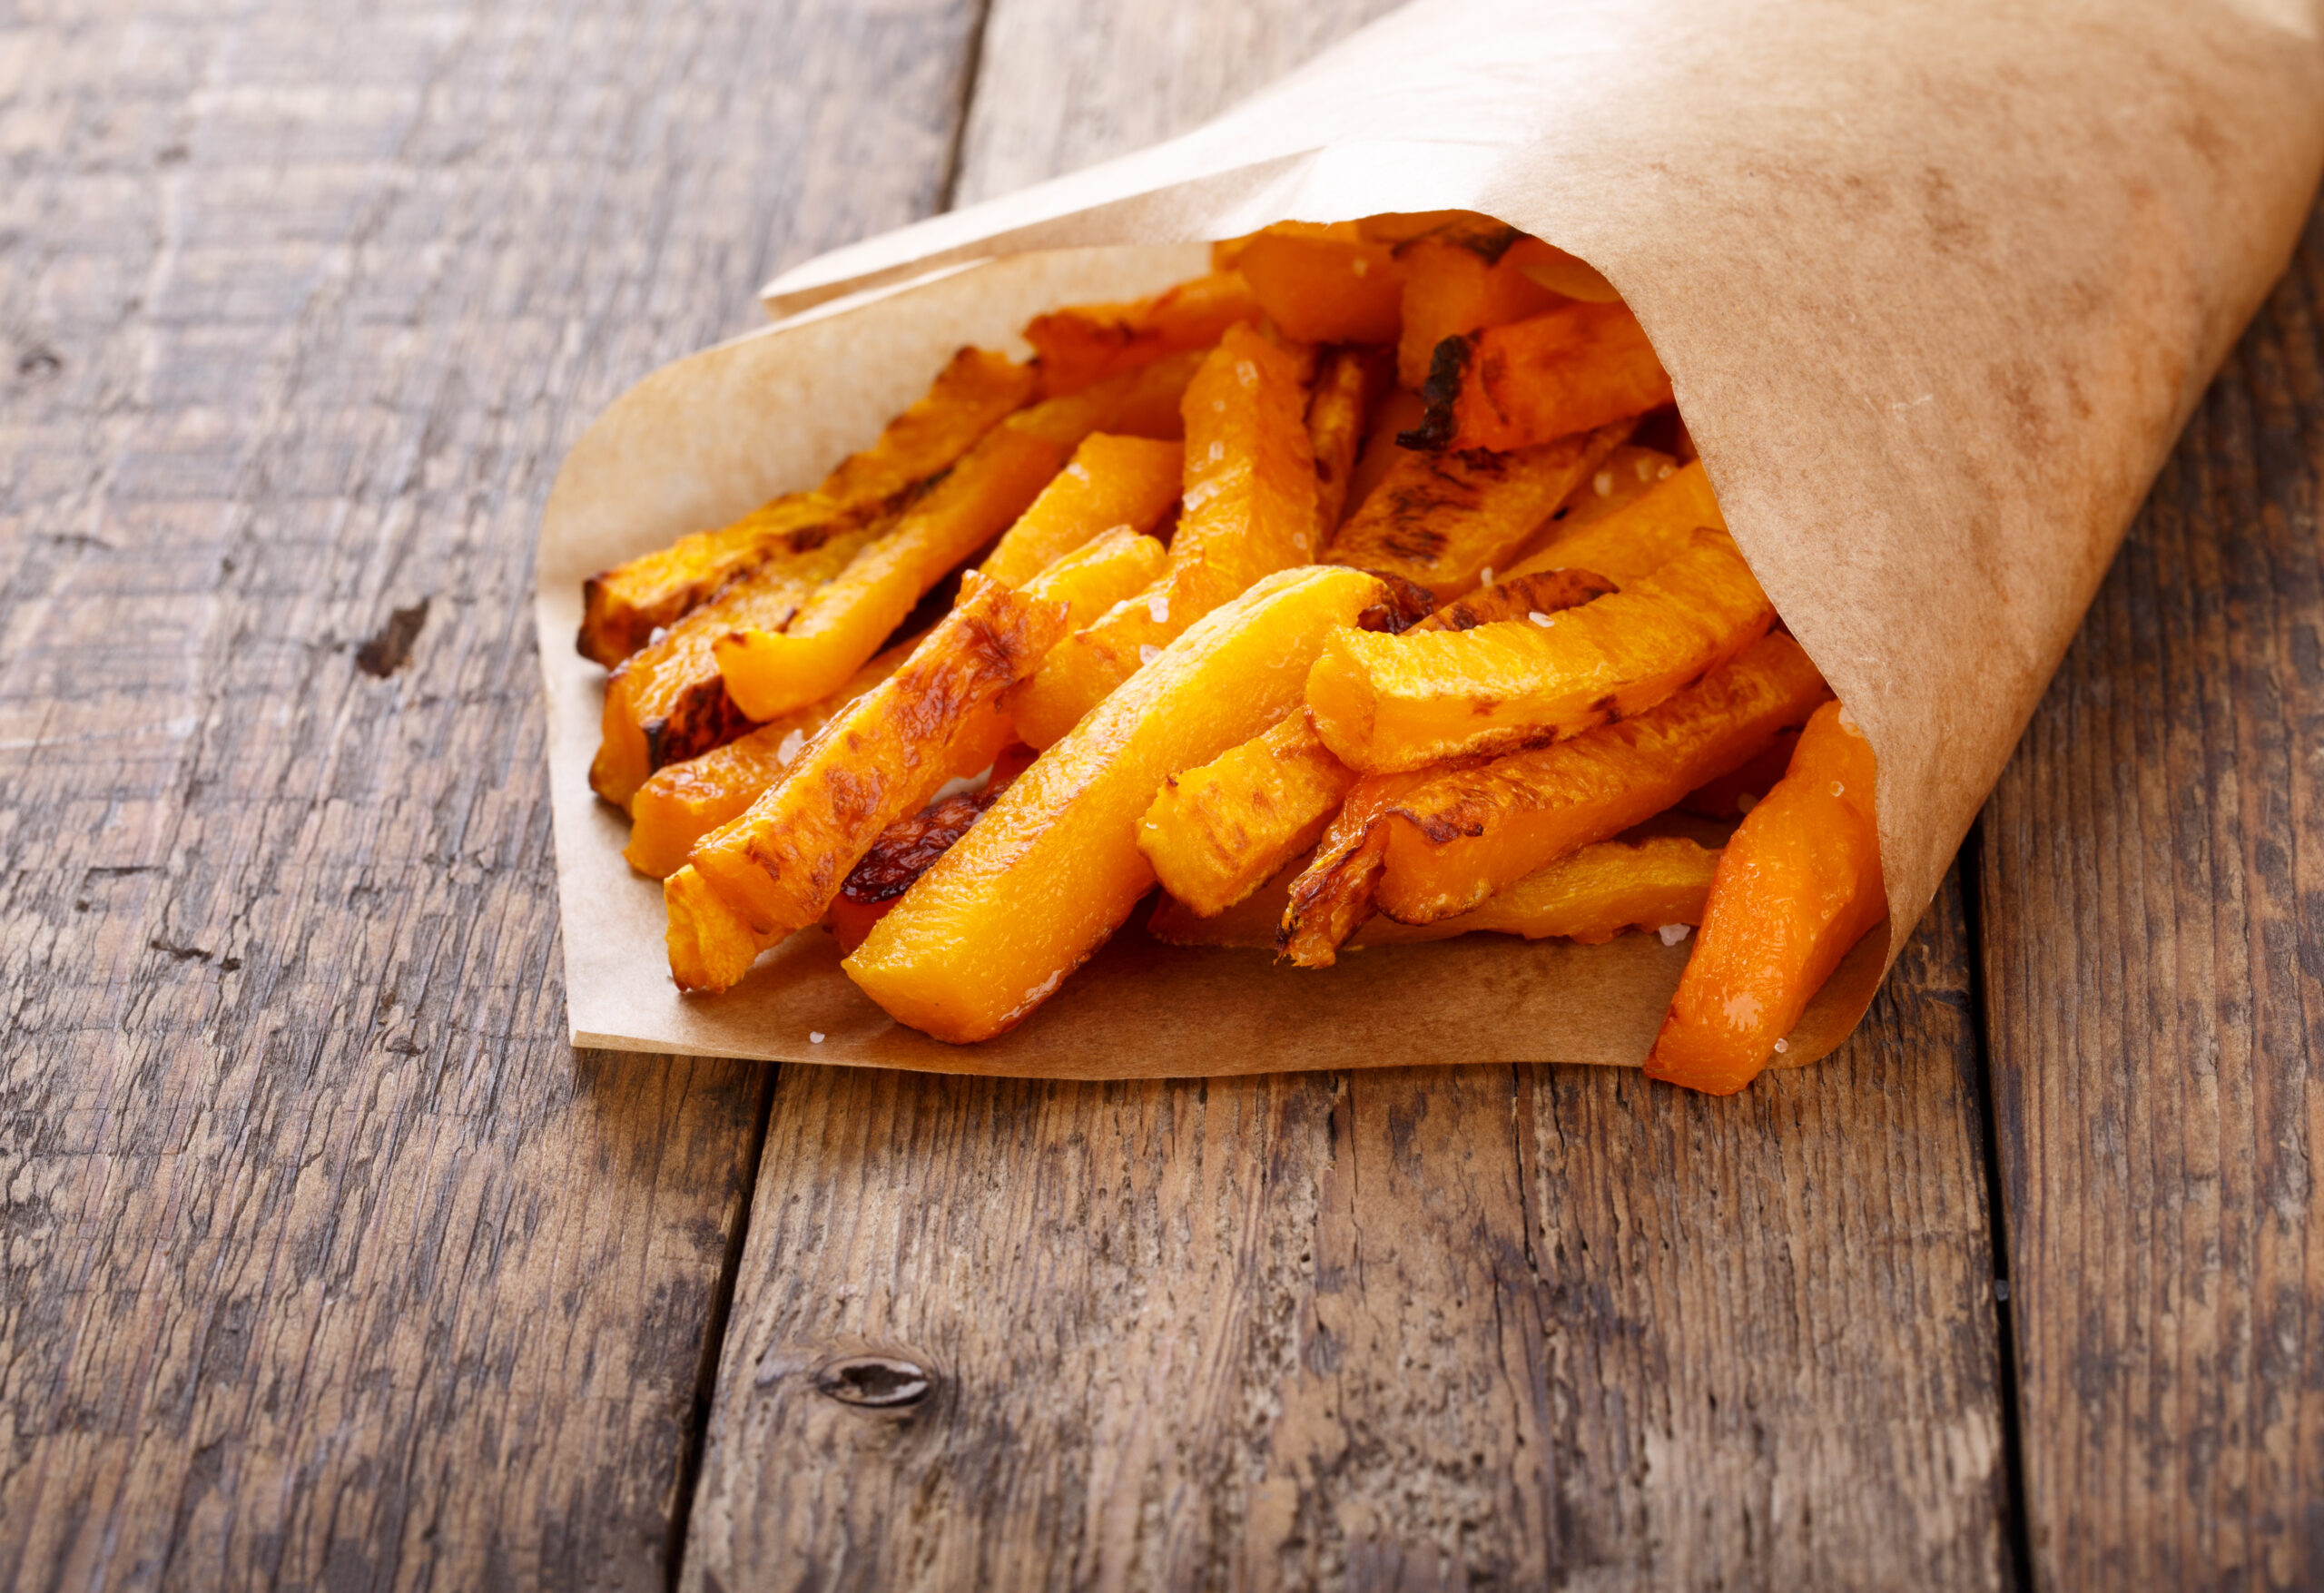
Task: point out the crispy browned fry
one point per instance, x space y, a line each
1434 843
884 755
1621 478
1086 343
1053 868
1325 285
1573 369
1639 538
1215 833
1442 520
623 606
771 673
1798 886
1591 895
1461 278
1249 510
1111 481
685 802
665 703
904 852
1345 381
1388 703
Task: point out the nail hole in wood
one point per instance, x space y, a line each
877 1381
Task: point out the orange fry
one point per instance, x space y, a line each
1434 843
1797 886
1442 520
1573 369
1639 537
1384 703
1249 510
1086 343
1052 869
622 607
882 756
771 673
1460 278
1111 481
1323 289
1591 895
1345 382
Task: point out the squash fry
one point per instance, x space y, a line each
1214 834
884 755
1389 703
666 702
1591 895
1396 413
1798 885
1346 380
1621 478
771 673
1112 481
1086 343
1325 289
1734 794
1639 538
905 850
1574 369
1463 278
685 802
1442 520
1436 842
623 606
1140 402
1053 867
1249 510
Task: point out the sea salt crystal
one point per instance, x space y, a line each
1078 470
1847 721
1486 576
1673 933
1603 483
1157 608
815 1036
1148 652
1217 452
1782 1046
1541 619
1299 540
1838 790
654 637
1246 373
788 747
1663 470
1647 468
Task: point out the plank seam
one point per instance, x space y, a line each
971 69
2018 1527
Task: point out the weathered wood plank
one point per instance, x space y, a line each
1465 1327
2154 932
322 1258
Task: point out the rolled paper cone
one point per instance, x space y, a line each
1937 281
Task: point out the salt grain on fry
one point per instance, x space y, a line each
1148 652
815 1036
1603 483
789 746
1673 933
1541 619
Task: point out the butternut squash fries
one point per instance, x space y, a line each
1438 627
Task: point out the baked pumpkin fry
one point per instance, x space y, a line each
882 756
1052 869
1797 886
1442 520
623 606
770 672
1346 380
685 802
1463 278
1249 510
1322 287
1436 842
1573 369
666 702
1591 895
1639 537
1110 481
1086 343
1215 833
1386 702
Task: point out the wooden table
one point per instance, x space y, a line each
325 1262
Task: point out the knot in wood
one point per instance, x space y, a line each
879 1381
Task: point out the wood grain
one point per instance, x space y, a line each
322 1257
1483 1327
2153 935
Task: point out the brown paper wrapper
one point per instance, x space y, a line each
1937 284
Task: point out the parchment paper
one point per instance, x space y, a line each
1936 283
